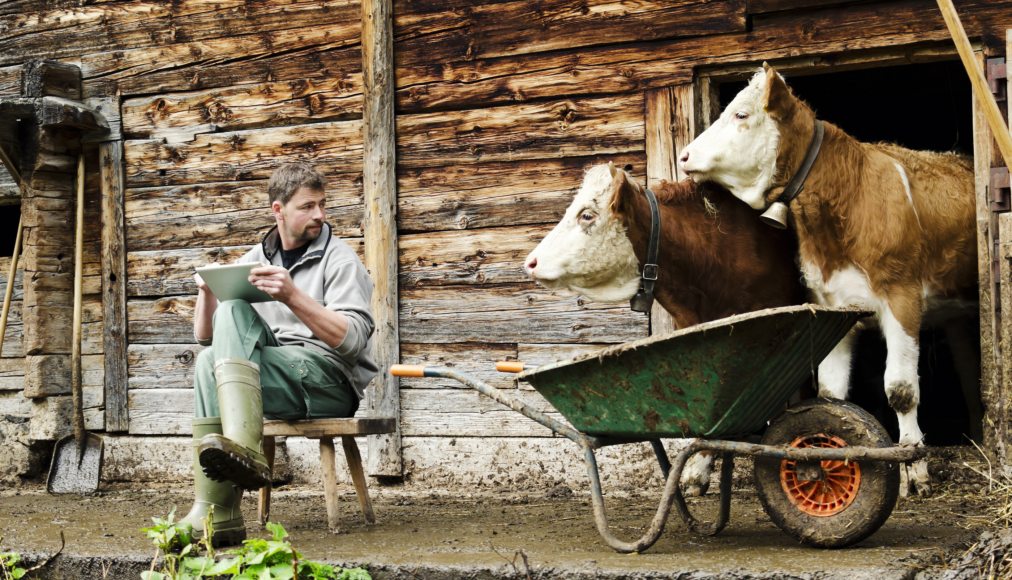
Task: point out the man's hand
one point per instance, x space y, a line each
274 280
202 286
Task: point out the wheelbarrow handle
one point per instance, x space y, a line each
412 371
510 366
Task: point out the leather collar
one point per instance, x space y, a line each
644 298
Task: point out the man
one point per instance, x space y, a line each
304 355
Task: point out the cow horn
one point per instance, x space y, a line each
775 215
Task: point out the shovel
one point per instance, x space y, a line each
77 458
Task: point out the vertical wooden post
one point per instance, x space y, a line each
110 162
670 126
984 153
380 191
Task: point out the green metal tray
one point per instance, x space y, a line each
720 379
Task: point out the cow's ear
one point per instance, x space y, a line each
619 187
777 98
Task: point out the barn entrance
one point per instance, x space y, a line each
920 106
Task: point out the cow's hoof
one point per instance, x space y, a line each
694 489
914 479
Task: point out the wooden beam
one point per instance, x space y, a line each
114 286
379 151
659 120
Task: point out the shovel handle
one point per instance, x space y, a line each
75 347
12 271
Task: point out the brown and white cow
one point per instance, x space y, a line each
715 259
879 226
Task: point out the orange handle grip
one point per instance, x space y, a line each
509 366
407 370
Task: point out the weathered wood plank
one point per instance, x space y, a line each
512 313
225 214
567 128
10 80
72 31
508 193
214 62
114 286
522 27
161 411
161 321
245 106
12 374
162 366
488 256
243 155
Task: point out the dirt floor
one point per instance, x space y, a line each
542 534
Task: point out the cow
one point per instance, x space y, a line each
714 259
879 226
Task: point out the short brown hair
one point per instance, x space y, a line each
288 178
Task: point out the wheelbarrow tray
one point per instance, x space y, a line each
721 379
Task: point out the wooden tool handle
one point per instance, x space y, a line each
75 352
509 366
407 370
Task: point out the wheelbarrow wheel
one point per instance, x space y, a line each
827 504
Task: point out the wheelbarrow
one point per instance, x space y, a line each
826 471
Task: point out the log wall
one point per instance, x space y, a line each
500 107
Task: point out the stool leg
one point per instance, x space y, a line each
264 505
358 477
329 469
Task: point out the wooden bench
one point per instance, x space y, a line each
326 430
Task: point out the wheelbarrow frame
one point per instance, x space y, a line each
672 470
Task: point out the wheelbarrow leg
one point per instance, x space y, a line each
672 494
711 529
662 457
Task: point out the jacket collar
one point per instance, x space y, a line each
271 245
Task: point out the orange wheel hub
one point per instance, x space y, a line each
833 492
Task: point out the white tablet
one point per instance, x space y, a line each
231 282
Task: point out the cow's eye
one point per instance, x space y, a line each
741 115
587 217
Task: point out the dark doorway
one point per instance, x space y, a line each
920 106
10 212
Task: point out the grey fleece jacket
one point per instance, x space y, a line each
331 273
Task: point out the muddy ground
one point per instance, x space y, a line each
536 534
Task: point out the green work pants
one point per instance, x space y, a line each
298 382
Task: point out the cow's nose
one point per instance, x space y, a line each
531 264
685 157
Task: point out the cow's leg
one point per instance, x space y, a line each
901 320
696 474
834 371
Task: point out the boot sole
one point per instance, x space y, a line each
225 537
222 464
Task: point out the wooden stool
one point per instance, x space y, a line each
325 430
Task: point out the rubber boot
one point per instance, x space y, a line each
229 529
236 454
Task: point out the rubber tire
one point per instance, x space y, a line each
880 480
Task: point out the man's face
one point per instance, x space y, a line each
301 219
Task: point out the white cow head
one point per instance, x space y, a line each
739 150
588 251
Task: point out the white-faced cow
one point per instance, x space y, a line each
879 226
715 259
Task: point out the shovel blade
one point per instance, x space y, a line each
76 465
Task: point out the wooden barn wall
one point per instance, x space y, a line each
501 105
